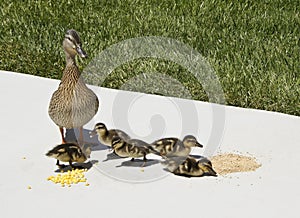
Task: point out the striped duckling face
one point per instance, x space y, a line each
72 44
99 129
191 141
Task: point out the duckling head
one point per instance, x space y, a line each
207 169
72 44
99 129
191 141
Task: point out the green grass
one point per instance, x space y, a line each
253 46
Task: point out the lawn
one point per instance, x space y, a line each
252 46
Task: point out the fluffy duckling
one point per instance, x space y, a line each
175 147
133 148
105 136
69 152
190 167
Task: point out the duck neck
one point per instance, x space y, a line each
71 69
70 59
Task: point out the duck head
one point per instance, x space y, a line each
72 44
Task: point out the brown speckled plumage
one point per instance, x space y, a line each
73 104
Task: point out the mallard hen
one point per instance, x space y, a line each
73 104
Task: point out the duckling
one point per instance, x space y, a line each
175 147
69 152
190 167
105 136
134 148
73 104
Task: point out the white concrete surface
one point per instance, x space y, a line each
27 131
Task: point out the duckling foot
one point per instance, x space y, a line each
145 160
71 165
144 163
60 166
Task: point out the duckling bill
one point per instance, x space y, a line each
190 167
69 152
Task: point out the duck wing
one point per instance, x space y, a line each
166 145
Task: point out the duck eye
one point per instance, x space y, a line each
68 38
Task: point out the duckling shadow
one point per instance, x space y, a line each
203 175
112 156
138 163
72 135
189 176
196 156
87 166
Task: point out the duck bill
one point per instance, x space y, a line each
199 145
81 52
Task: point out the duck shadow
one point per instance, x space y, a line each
87 166
138 163
72 135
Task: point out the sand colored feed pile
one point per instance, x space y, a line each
231 163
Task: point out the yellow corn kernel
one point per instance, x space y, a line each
70 177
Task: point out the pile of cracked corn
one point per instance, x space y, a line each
69 178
